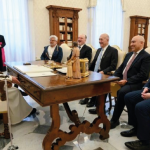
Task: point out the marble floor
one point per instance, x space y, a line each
29 134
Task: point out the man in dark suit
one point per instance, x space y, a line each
132 72
138 105
52 51
85 52
104 62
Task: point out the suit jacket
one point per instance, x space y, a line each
2 40
138 71
85 52
57 54
109 60
147 84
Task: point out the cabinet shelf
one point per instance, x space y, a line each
64 23
139 26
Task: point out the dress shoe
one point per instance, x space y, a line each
137 145
90 104
92 111
84 101
129 133
32 112
113 124
1 116
23 93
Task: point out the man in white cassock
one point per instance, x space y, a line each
19 108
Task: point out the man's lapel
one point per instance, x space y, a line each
106 52
137 58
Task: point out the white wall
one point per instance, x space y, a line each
134 7
41 20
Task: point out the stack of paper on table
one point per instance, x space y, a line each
40 74
34 70
62 70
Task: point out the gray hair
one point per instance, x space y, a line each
53 36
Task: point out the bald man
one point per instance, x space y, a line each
104 62
132 72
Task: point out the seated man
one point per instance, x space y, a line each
19 108
104 62
85 52
52 51
132 72
138 105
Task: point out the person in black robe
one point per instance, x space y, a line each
2 54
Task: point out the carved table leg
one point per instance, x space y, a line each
6 129
73 115
100 111
54 129
84 127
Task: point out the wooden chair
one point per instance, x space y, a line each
3 109
115 87
66 52
93 51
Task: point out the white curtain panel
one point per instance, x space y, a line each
107 17
14 26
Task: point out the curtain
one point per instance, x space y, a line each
14 26
107 18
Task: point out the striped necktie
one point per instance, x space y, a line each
128 66
98 62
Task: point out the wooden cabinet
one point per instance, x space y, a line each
139 26
63 23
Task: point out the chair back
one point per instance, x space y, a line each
66 52
121 55
93 51
2 91
147 50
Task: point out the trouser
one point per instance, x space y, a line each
119 106
139 114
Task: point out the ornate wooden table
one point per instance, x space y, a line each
53 90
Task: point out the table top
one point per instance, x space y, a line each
57 89
59 80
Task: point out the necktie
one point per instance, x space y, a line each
128 66
98 62
79 47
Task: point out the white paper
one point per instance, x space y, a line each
40 74
62 70
32 68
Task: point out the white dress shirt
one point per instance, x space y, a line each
131 58
104 49
51 51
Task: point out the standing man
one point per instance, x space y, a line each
52 51
138 105
105 61
132 72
